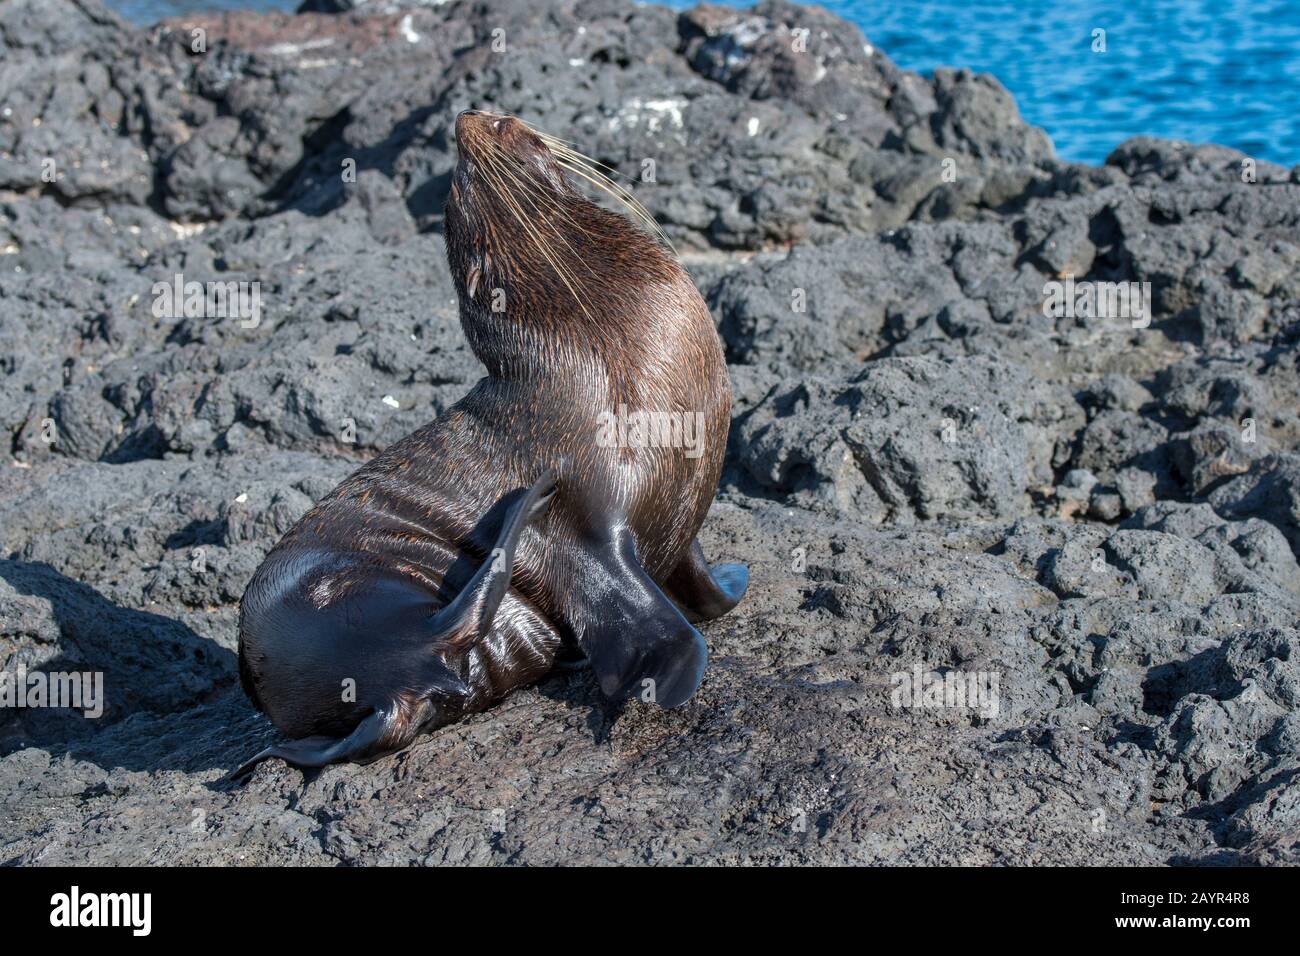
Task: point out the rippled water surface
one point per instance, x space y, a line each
1222 71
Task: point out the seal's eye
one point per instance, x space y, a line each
496 124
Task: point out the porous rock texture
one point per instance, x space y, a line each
928 475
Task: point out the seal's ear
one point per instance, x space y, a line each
467 619
639 644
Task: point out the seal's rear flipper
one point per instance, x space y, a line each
638 642
456 626
360 745
705 593
467 619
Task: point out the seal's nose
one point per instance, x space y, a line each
465 120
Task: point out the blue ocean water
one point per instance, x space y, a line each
1208 71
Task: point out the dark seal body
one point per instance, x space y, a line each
455 566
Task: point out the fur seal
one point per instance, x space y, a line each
457 564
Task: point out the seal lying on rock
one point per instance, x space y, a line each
553 506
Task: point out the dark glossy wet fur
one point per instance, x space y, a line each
454 566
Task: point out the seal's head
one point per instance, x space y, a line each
523 242
494 145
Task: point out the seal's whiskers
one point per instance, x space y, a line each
591 170
498 177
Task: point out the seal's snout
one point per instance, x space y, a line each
484 138
471 123
475 128
466 120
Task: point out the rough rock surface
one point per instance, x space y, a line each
1093 523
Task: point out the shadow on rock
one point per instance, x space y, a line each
148 666
573 685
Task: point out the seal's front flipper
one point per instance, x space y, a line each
637 640
362 744
464 621
705 593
